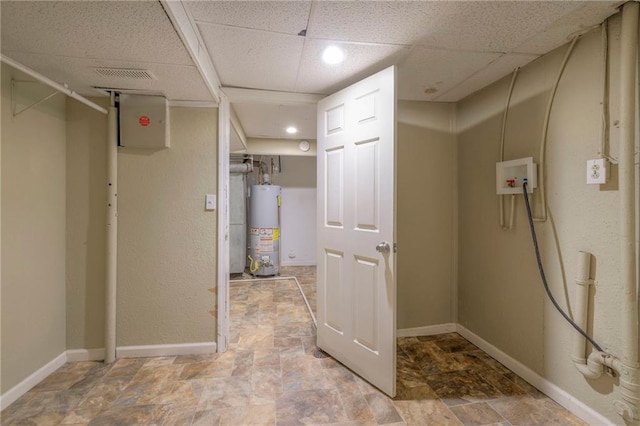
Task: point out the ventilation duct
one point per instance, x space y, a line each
125 73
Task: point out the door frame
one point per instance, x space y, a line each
224 137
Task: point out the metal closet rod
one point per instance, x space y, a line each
59 87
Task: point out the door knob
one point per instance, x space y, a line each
383 247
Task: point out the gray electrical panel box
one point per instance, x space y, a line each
144 121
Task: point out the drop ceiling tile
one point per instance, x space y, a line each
564 29
484 77
426 73
127 31
375 22
493 26
288 17
361 61
177 82
270 120
253 59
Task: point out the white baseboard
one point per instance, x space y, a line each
429 330
552 391
166 350
34 378
75 355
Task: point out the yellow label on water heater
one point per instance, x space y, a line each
276 234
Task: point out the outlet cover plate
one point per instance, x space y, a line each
597 171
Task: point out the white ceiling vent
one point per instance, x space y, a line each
126 73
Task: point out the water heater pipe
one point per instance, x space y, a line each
581 309
241 168
628 365
111 267
630 376
628 48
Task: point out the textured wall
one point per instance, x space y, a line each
33 230
500 294
167 241
298 180
425 213
85 262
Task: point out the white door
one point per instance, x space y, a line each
356 274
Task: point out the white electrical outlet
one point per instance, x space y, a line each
597 171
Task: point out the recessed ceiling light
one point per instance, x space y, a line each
291 130
333 55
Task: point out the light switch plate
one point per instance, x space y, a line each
210 202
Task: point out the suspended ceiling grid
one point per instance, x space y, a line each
444 50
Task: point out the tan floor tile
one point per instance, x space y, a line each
243 363
382 408
477 414
426 412
99 398
138 414
179 416
266 384
225 392
311 406
266 358
258 415
207 370
206 418
525 410
569 418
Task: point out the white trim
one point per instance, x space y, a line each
428 330
222 231
236 126
190 35
77 355
193 104
166 350
33 379
562 397
241 95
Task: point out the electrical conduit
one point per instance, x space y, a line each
545 129
502 137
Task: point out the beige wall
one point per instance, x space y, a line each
166 254
86 194
297 172
425 213
33 231
500 294
263 146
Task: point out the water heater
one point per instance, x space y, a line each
264 230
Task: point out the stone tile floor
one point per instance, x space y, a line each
270 376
